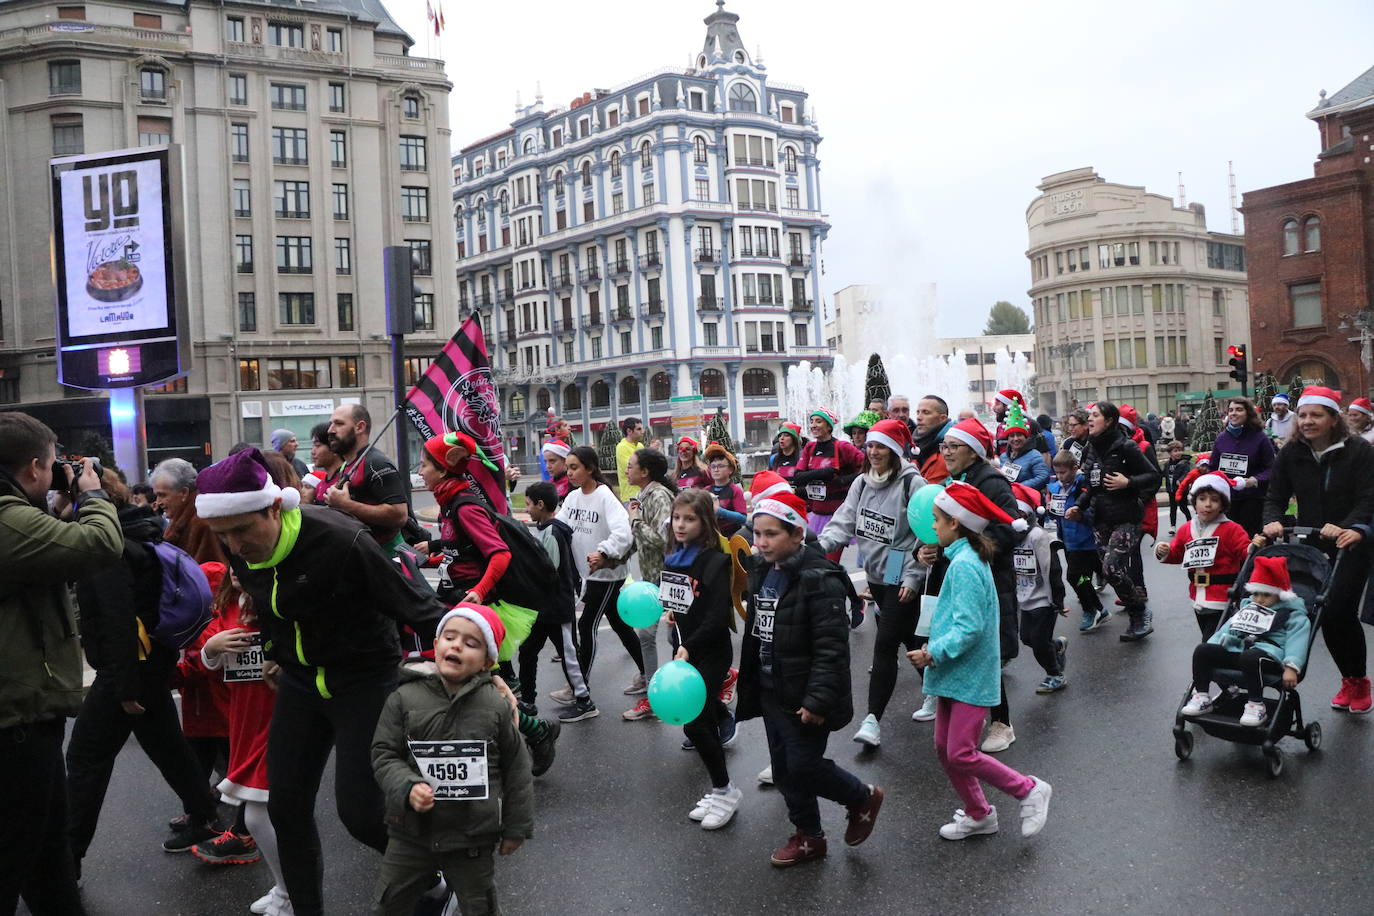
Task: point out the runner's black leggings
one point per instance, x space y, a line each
1081 566
704 730
896 626
598 601
1209 657
1341 626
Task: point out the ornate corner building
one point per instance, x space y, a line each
654 240
311 139
1312 255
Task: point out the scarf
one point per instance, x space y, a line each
1235 431
684 556
928 443
449 487
290 530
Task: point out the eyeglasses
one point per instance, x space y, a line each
947 446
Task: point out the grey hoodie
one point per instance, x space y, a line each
877 516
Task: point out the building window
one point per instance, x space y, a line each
293 254
248 312
249 377
615 163
1312 234
243 254
343 256
601 392
154 131
699 149
334 41
337 97
338 149
696 100
238 142
413 154
1290 237
646 155
68 138
348 371
656 338
1222 256
648 191
710 334
296 308
424 311
660 387
789 159
712 383
243 198
1306 300
617 203
572 398
64 77
289 146
152 84
629 391
233 29
291 199
420 260
340 197
759 383
297 373
642 105
286 34
586 169
742 98
415 205
703 191
287 97
410 106
238 89
72 12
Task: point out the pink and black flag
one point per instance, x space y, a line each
457 394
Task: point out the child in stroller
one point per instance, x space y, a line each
1271 629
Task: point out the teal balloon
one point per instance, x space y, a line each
677 694
920 512
638 604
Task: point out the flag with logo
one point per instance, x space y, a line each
457 394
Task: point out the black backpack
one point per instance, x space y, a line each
530 580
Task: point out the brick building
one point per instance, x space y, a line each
1311 254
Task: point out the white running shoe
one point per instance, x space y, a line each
260 905
1035 808
963 826
1197 704
766 776
562 695
702 809
721 807
1000 737
1255 713
927 711
869 733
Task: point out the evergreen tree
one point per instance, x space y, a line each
876 386
605 448
718 430
1207 426
1295 388
1266 386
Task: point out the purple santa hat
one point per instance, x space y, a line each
240 483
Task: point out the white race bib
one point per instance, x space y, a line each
1023 560
874 526
1234 465
675 592
1252 620
246 665
764 609
1057 503
815 492
1076 448
1095 476
456 769
1011 471
1200 553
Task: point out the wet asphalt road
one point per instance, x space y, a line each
1131 830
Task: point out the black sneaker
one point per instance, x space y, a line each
528 709
228 849
581 709
728 729
542 752
183 838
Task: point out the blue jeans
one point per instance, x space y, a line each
801 770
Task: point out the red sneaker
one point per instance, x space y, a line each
727 689
799 848
228 849
1343 696
1360 701
863 816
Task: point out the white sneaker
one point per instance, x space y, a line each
562 695
963 826
1035 807
1255 713
722 807
637 686
260 905
702 809
1000 737
869 732
1197 704
927 711
766 776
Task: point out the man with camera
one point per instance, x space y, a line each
40 655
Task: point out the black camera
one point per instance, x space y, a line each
59 477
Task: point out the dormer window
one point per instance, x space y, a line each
740 58
742 98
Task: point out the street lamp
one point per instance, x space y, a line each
1362 321
1067 352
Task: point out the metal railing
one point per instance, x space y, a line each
710 303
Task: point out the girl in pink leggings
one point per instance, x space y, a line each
963 667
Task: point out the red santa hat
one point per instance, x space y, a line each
786 507
1027 499
689 443
238 484
493 630
1269 576
1203 460
1325 397
826 416
1009 395
891 433
1217 482
766 484
1127 416
974 434
557 447
968 506
1363 405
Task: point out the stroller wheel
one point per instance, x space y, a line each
1183 744
1312 737
1275 760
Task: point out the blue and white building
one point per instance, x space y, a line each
658 239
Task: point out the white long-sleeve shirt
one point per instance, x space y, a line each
599 523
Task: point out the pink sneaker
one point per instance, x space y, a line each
642 710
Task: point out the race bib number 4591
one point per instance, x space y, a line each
246 665
457 770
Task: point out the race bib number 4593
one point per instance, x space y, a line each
457 770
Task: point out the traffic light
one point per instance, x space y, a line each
398 273
1239 368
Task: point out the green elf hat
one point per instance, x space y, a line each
825 415
865 420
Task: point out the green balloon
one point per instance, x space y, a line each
677 694
638 604
920 512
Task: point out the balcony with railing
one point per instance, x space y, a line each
622 313
563 280
798 261
482 300
753 162
618 267
710 303
652 309
803 305
564 326
708 256
651 262
592 320
506 296
589 276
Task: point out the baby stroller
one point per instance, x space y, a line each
1311 573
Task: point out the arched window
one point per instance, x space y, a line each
629 392
742 98
517 405
1290 237
505 203
1313 372
699 146
701 62
481 208
712 383
759 383
789 158
646 159
739 57
529 146
615 163
1312 233
660 387
544 399
601 394
572 398
586 174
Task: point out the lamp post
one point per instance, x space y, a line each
1067 352
1362 321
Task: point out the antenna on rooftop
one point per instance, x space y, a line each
1235 211
1182 194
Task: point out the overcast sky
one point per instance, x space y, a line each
939 119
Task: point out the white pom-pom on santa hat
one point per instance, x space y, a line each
1269 576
